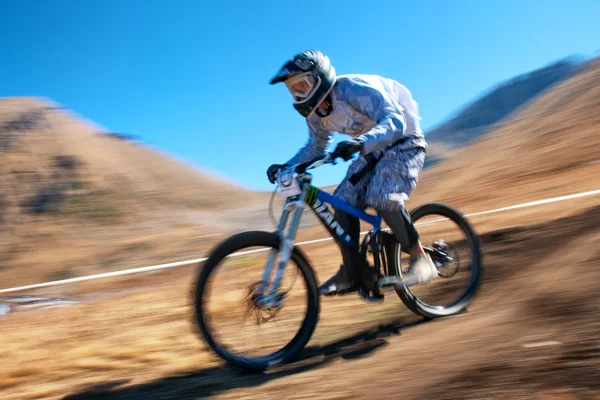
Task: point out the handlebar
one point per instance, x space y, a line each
314 163
328 158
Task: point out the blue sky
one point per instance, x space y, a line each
191 77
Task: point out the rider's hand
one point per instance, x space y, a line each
347 149
273 169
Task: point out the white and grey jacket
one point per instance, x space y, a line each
374 110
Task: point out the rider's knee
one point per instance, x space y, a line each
401 225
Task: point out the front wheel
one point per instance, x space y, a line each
233 321
455 249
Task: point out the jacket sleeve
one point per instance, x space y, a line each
318 139
381 108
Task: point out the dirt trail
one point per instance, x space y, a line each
532 333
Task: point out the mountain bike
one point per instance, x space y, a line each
262 301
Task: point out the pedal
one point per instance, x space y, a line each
386 281
371 296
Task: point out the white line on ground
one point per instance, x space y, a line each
198 260
541 344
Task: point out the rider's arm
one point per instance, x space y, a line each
318 139
381 108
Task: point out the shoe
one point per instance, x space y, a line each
338 283
421 270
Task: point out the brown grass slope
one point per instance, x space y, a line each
552 147
36 133
531 333
498 103
74 198
142 344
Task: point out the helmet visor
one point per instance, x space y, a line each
301 86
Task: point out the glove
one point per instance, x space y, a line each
347 149
273 170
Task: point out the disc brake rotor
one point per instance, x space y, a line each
445 258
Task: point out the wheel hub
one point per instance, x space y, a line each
260 306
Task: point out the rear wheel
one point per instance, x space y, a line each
228 310
455 248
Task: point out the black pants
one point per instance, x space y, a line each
399 222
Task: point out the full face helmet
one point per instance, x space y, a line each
309 77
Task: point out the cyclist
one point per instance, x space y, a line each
381 117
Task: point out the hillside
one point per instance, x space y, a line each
551 147
480 116
40 140
80 198
532 331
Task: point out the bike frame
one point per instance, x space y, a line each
317 200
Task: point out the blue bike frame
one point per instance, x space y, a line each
317 200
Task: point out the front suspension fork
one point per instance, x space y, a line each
286 246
